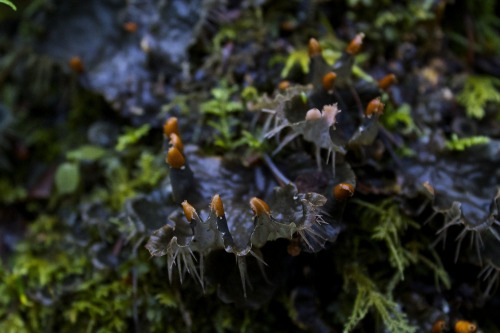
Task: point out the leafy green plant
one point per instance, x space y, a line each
131 136
399 119
390 224
484 27
385 222
477 92
123 179
67 178
222 106
298 57
456 143
11 192
9 3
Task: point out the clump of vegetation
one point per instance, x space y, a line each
478 91
223 107
368 298
384 222
456 143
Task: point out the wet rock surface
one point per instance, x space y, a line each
131 53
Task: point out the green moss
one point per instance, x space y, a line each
10 192
299 57
387 224
222 108
368 297
482 29
399 119
477 92
456 143
131 136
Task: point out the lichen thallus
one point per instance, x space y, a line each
484 234
289 214
309 220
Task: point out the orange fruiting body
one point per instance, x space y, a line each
175 141
293 247
329 80
175 158
387 81
189 210
429 188
343 191
130 27
374 107
259 206
314 47
76 64
216 206
464 326
283 85
439 326
355 44
170 126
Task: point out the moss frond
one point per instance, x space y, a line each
131 136
391 224
300 57
479 90
399 119
456 143
370 298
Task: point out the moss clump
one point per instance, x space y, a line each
368 298
456 143
478 91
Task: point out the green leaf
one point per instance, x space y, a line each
86 153
394 118
131 136
67 178
300 57
8 3
167 299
